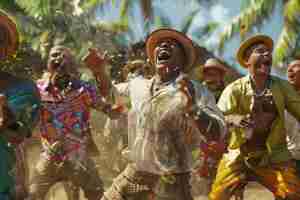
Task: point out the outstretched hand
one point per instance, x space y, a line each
94 60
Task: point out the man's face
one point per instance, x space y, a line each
259 60
213 77
59 65
59 59
293 74
169 57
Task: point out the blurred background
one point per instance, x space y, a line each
119 28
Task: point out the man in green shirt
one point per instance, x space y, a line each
254 108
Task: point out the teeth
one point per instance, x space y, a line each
164 55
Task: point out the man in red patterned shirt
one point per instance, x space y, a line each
65 128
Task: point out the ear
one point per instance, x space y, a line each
248 64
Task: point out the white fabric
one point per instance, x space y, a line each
293 135
161 137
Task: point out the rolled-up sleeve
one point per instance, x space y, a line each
205 101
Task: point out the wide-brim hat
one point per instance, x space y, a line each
10 33
165 33
135 64
256 39
213 63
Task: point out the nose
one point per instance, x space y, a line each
266 53
164 44
290 70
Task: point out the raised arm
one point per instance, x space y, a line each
96 62
203 110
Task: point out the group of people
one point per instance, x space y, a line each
169 120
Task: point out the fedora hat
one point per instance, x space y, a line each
256 39
9 37
213 63
165 33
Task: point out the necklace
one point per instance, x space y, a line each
260 94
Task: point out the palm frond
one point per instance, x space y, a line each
287 43
161 21
146 7
89 4
189 20
112 27
206 30
10 6
36 8
251 16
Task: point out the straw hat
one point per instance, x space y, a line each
165 33
9 37
135 64
264 39
213 63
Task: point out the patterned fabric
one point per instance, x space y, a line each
65 119
161 137
24 102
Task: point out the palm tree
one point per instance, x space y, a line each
255 12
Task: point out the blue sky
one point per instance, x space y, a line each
177 10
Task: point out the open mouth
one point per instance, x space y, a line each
291 77
163 56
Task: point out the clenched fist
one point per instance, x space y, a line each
94 60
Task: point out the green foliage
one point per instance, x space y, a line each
254 13
286 46
206 30
189 20
249 17
10 5
26 63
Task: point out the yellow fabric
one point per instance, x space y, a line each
280 178
237 99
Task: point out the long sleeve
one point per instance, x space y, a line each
292 99
206 102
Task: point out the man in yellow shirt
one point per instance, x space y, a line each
292 124
254 105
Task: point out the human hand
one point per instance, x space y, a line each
94 60
239 121
185 87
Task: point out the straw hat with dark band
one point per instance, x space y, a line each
257 39
213 63
159 35
9 37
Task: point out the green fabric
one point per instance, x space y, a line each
236 99
7 156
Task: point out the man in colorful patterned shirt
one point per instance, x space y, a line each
65 128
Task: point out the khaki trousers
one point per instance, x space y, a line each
136 185
48 173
